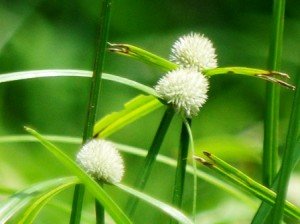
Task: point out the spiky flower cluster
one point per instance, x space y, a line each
102 161
186 89
194 51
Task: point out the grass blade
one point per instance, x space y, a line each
111 207
142 55
25 197
138 152
35 207
133 110
246 183
34 74
172 212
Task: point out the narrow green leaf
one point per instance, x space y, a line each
133 110
15 76
142 55
31 212
246 183
23 198
142 153
111 207
271 76
172 212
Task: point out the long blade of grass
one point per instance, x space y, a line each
15 76
111 207
246 183
172 212
271 76
145 171
28 216
42 193
138 152
23 198
133 110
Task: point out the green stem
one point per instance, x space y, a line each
150 158
77 204
194 210
181 166
288 157
93 101
270 153
99 211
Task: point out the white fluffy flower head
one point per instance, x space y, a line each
102 161
186 89
194 51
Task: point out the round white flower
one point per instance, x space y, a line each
194 51
102 161
186 89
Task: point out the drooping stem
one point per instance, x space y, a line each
270 153
150 158
181 166
92 105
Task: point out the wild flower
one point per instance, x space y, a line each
186 89
102 161
194 51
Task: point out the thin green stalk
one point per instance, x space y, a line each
270 153
150 158
93 101
288 156
99 213
77 204
194 210
181 166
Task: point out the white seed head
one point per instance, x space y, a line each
186 89
102 161
194 51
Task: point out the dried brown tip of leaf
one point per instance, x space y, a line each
208 154
203 161
118 48
275 80
281 74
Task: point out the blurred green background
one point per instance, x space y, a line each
61 34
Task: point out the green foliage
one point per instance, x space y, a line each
51 35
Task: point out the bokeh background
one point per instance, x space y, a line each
62 34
